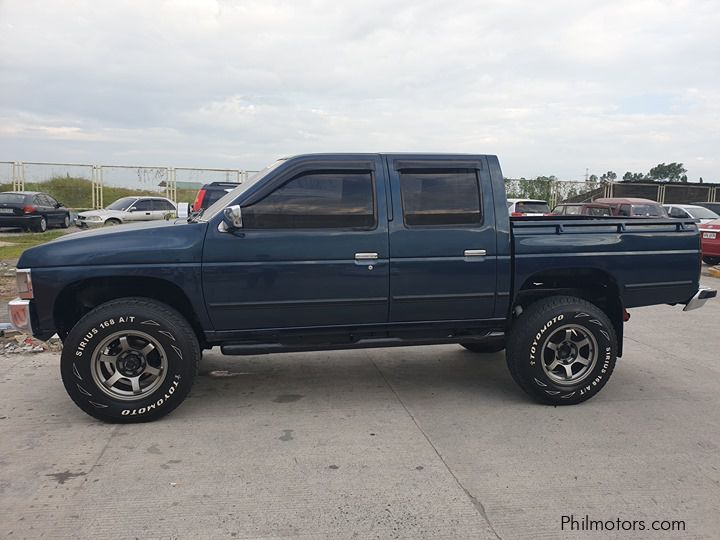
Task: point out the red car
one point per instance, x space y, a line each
710 234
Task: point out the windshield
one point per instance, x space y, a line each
653 210
702 213
122 204
226 199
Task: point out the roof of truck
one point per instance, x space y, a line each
624 200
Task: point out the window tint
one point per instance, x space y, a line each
334 200
573 210
651 210
624 210
440 198
143 205
12 198
678 212
598 211
532 207
161 205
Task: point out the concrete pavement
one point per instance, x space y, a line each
426 442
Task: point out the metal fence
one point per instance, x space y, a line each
83 186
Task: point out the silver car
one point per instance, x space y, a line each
128 210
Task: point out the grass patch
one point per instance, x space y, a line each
21 242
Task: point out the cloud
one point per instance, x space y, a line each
551 87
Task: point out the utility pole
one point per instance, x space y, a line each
587 175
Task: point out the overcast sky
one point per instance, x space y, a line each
552 87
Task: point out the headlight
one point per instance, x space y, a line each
93 218
24 283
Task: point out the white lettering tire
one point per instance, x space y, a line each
130 360
562 350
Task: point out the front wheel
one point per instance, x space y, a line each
130 360
66 221
562 350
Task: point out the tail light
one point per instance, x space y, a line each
24 283
29 209
517 214
197 205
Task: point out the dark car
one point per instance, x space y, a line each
32 210
210 193
714 206
345 251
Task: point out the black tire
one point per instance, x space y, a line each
711 261
66 222
163 374
484 348
111 222
40 225
546 350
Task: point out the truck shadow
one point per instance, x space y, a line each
349 379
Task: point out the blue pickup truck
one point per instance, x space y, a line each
341 251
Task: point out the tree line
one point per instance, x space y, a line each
662 172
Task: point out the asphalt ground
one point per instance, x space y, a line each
423 442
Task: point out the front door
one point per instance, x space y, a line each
443 255
312 252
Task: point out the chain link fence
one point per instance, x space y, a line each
83 186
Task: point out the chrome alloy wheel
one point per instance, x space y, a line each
129 365
569 354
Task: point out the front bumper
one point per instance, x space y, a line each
20 317
86 223
698 300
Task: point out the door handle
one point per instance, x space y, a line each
366 256
475 253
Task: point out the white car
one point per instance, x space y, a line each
527 207
692 211
128 210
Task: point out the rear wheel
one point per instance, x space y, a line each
562 350
130 360
712 261
40 225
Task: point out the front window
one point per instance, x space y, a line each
122 204
228 198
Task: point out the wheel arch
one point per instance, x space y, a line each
592 284
80 297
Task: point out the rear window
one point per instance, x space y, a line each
652 210
213 195
530 207
12 198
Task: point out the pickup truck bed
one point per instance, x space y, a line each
333 251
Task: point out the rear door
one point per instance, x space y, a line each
443 253
312 252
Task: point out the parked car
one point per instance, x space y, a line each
128 210
210 193
692 211
633 207
714 206
342 251
710 238
527 207
32 210
582 209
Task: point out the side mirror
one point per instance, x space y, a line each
131 209
232 217
58 204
